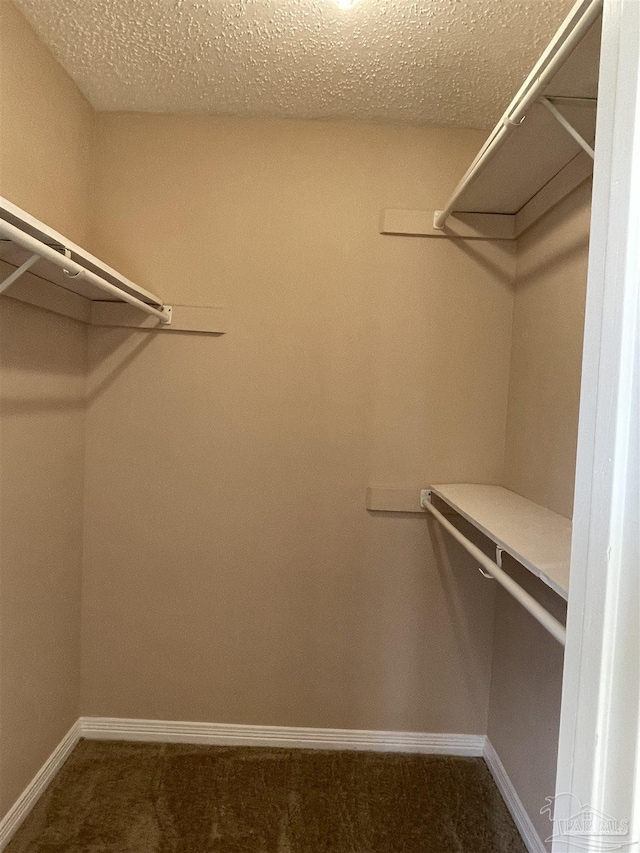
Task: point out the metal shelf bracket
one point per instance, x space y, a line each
21 270
555 112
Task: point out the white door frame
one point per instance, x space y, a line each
598 763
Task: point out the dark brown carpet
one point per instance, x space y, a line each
161 798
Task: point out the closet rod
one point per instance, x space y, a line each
74 270
529 92
552 625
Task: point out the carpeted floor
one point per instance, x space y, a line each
162 798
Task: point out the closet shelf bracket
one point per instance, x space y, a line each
21 270
555 112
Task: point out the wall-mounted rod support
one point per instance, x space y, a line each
21 270
571 33
549 622
555 112
75 270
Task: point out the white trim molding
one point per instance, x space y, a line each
599 745
530 837
292 737
34 790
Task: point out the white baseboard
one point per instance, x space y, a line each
531 839
226 734
34 790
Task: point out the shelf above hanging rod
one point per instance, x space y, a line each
494 568
44 269
61 262
568 68
539 152
533 535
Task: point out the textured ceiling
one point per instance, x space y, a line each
450 62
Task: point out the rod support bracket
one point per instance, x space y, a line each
425 497
167 311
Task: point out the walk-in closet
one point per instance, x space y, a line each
318 455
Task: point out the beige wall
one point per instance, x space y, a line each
232 572
45 139
526 685
546 355
46 131
544 388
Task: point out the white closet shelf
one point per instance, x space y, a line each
42 267
540 150
536 537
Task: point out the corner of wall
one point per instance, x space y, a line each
46 138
